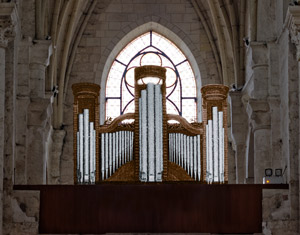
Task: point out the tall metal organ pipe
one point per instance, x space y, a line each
215 147
151 141
86 149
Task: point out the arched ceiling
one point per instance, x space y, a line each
223 21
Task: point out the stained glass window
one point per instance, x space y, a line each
151 48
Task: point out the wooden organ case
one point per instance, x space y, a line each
187 152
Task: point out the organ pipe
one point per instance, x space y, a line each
86 149
215 147
185 151
151 157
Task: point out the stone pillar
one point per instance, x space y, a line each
40 55
8 19
292 23
22 103
238 133
260 121
39 114
38 128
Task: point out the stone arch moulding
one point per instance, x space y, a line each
169 34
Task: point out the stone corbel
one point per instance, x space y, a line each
292 22
238 117
8 22
39 111
259 114
41 52
259 54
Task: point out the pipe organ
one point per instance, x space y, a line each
185 151
86 144
215 147
150 134
151 147
116 149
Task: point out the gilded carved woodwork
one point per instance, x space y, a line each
86 95
139 73
215 95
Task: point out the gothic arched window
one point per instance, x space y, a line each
151 48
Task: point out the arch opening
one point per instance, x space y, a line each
148 46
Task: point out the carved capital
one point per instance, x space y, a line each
292 22
259 52
259 114
41 52
8 21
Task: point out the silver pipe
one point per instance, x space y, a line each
123 148
131 146
199 157
215 144
91 160
161 131
94 158
102 156
191 156
181 150
86 144
158 137
127 146
195 156
221 148
150 112
187 154
78 157
177 149
114 151
81 146
184 152
106 156
210 150
110 153
174 147
143 146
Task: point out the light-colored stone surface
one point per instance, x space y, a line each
276 213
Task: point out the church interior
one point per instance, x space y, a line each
245 51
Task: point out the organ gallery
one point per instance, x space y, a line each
138 116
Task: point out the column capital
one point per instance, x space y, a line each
259 51
292 22
8 22
259 114
41 52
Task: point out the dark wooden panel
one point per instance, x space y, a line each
156 208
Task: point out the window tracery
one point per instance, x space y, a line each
151 48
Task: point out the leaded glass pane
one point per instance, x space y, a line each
187 80
112 108
151 49
189 109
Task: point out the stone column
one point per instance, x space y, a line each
260 121
238 133
7 32
39 114
292 23
22 103
40 55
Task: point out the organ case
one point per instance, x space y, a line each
185 146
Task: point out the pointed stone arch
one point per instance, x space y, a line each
180 39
